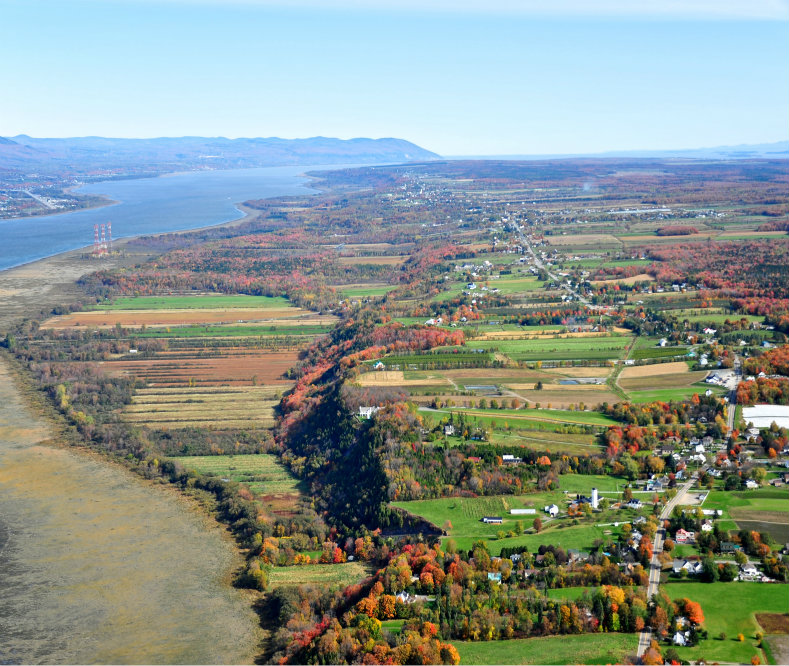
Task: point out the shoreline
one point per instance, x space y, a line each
244 211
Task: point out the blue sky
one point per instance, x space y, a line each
463 77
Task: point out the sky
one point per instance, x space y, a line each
458 77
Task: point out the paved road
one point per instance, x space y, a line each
557 278
733 394
645 637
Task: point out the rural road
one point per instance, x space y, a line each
645 637
557 278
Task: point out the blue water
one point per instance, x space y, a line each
149 205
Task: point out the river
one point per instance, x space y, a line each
173 202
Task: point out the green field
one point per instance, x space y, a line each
729 608
261 472
676 394
549 415
465 514
762 499
575 649
657 352
602 347
442 357
510 286
325 575
200 302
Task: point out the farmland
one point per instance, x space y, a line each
199 302
225 407
717 601
560 349
243 368
272 483
334 576
582 649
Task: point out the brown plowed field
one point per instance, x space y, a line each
654 370
138 318
267 368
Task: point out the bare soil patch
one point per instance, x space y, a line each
264 368
397 378
641 277
773 623
655 369
138 318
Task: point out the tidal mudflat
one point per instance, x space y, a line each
97 566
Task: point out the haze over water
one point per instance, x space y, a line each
148 205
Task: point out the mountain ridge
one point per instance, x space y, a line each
92 152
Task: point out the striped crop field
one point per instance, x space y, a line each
220 407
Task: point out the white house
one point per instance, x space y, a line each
552 510
692 567
449 430
367 412
750 484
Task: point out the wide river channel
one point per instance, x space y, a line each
97 566
149 205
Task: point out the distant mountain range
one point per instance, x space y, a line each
777 150
83 154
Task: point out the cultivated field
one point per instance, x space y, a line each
335 576
397 378
197 301
576 649
655 370
271 482
172 408
184 317
229 369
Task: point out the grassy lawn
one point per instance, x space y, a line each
729 608
578 649
195 302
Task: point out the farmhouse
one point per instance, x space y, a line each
683 536
367 412
552 510
692 567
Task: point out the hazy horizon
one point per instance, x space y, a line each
470 78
